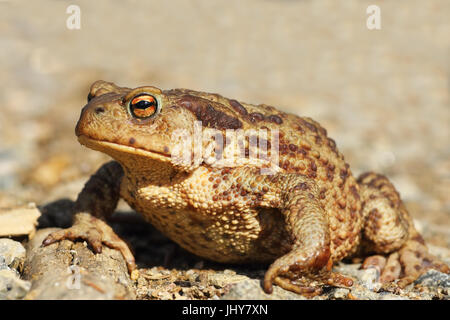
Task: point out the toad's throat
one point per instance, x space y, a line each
116 150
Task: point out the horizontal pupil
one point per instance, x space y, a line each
143 104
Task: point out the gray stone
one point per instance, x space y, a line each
11 286
369 278
339 293
251 290
221 279
12 254
433 278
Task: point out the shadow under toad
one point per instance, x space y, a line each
150 247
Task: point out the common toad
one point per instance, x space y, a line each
301 213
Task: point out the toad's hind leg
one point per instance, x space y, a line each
389 230
308 265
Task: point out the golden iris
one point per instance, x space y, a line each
143 106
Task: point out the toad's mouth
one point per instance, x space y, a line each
115 149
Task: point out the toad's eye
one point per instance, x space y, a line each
143 106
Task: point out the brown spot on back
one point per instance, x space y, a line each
354 192
344 175
299 128
312 174
301 186
238 107
342 204
274 118
322 193
318 140
309 125
332 144
210 116
256 117
293 147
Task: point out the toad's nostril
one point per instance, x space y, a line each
99 110
89 97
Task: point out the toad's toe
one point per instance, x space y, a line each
405 265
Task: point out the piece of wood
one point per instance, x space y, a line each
19 221
70 270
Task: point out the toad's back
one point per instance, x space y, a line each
304 148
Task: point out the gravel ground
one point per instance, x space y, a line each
383 95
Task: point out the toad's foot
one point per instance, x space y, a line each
96 233
288 272
407 264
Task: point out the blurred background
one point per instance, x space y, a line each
383 95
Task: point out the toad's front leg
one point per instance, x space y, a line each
309 262
97 201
